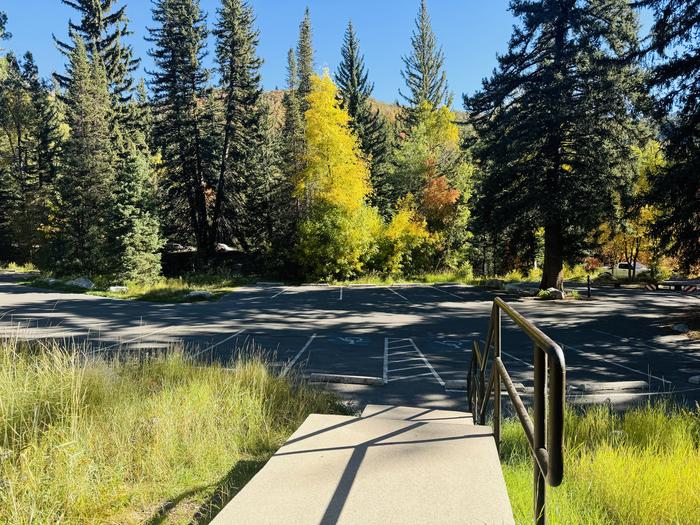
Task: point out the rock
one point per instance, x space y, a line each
556 294
518 289
82 282
199 295
118 289
695 380
224 248
681 328
494 283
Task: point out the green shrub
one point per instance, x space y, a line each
534 275
513 276
336 243
405 235
577 272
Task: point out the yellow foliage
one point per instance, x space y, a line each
406 224
335 171
406 232
437 125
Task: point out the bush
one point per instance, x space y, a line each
400 239
337 243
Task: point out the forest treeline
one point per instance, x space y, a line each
583 142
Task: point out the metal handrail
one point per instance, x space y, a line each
545 435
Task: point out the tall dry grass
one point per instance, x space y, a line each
639 467
157 441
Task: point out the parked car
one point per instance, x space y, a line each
622 270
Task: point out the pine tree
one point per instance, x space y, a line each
556 131
293 127
102 28
676 189
49 137
355 91
268 218
4 35
239 69
28 155
305 60
86 182
133 225
424 72
179 86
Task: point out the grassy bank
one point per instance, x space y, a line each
571 273
164 290
640 467
160 441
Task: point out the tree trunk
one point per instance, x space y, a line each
553 267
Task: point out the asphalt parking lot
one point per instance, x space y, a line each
412 340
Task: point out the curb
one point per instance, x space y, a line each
346 379
612 386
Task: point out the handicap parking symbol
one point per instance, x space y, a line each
351 340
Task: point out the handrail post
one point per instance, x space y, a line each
539 424
497 384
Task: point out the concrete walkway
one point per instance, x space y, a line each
393 465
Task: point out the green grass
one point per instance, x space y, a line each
638 467
576 273
164 290
157 441
18 268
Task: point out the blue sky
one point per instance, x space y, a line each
471 32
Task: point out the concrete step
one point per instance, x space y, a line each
426 415
348 470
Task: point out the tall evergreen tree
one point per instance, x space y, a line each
86 182
102 28
179 86
293 127
555 124
269 217
28 155
239 69
676 189
133 224
424 71
355 90
4 35
305 60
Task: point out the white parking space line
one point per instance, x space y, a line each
448 293
397 293
394 370
412 360
121 343
636 342
529 365
341 294
407 359
211 347
385 373
427 363
279 293
609 361
289 366
410 377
